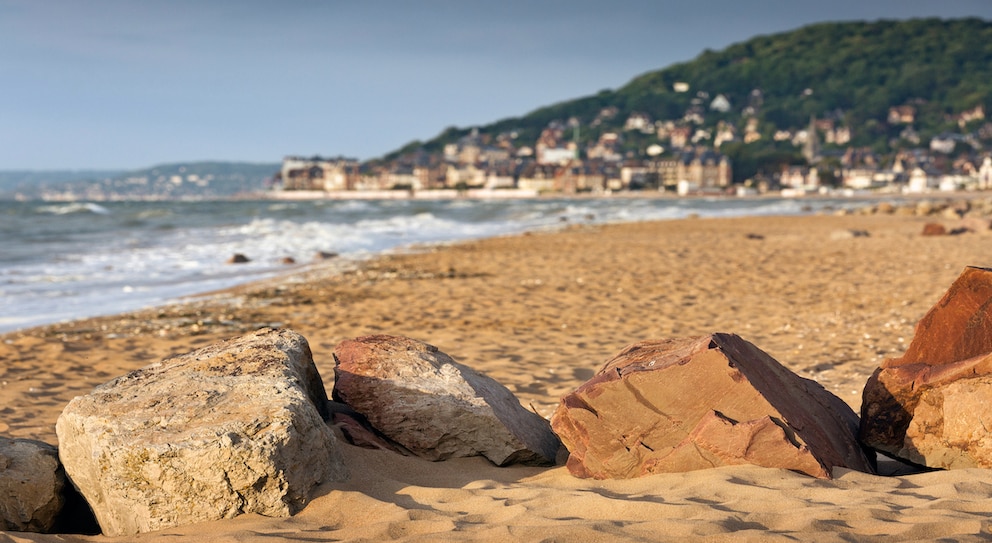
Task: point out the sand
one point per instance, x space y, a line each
540 313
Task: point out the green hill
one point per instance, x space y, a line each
848 73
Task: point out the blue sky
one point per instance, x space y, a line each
133 83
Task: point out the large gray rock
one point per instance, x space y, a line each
31 483
700 402
435 407
235 427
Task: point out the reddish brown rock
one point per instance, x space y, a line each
434 407
934 229
958 327
694 403
908 402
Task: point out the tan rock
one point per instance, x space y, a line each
694 403
233 428
31 484
435 407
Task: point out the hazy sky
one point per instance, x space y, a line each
133 83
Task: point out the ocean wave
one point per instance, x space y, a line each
75 207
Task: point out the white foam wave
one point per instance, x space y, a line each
75 207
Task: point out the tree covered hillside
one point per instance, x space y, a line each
862 69
851 75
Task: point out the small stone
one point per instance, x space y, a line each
934 229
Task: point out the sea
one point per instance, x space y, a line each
64 261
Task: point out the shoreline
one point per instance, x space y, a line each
273 268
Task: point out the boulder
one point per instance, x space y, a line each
929 406
700 402
435 407
235 427
31 485
238 258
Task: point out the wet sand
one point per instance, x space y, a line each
541 313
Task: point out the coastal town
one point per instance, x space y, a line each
683 157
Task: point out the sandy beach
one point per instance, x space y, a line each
540 313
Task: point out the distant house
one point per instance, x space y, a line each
640 122
537 177
720 104
859 178
702 168
606 148
985 174
464 175
921 181
800 177
975 114
725 133
317 173
555 155
944 143
501 176
902 115
679 136
751 133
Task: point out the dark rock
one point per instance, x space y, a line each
435 407
694 403
324 255
849 234
357 430
238 258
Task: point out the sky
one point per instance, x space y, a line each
121 84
